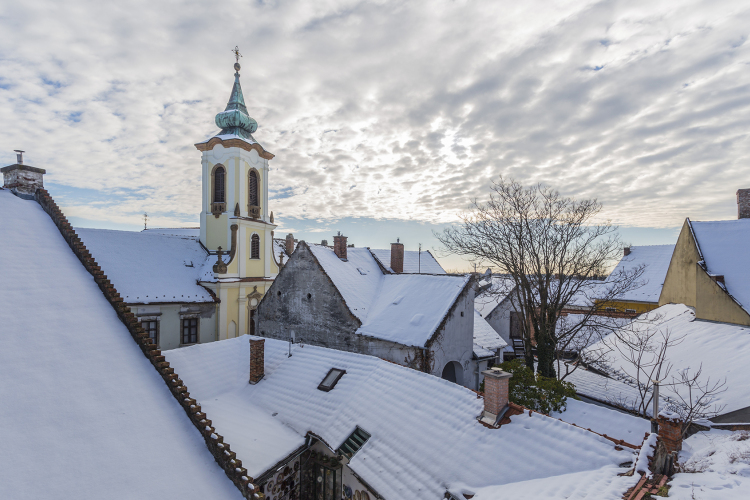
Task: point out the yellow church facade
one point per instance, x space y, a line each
236 225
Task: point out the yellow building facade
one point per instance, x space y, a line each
236 225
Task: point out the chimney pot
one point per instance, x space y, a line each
289 244
743 203
397 257
626 251
496 391
257 360
339 246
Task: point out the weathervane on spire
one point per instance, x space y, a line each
237 56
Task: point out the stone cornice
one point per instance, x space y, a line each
28 168
234 143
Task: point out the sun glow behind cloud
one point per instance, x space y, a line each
385 110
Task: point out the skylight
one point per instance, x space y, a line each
354 442
330 380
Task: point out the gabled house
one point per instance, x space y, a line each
710 267
342 298
157 273
328 424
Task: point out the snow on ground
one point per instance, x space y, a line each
424 430
84 414
148 266
722 349
724 245
603 420
719 467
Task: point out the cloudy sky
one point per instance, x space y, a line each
386 117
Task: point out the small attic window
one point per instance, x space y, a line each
354 442
330 380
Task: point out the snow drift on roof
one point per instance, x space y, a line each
722 349
424 430
724 245
656 260
414 261
149 267
194 232
84 413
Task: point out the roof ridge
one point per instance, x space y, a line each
214 442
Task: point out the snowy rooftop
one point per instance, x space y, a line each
84 413
414 261
656 260
403 308
486 340
724 245
723 349
488 301
148 267
226 137
175 231
424 430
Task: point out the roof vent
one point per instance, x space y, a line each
354 442
331 379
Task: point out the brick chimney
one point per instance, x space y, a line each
289 244
22 180
339 246
257 360
495 392
397 257
626 251
743 203
670 431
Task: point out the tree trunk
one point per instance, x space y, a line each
545 351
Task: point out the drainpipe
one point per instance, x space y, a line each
654 424
425 367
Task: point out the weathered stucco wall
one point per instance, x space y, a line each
679 284
455 340
714 304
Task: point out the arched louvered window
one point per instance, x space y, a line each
219 185
255 247
252 189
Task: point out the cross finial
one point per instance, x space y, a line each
236 51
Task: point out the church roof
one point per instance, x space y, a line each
149 266
84 413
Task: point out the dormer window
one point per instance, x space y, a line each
354 442
331 379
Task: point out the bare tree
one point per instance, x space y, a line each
553 249
694 400
643 346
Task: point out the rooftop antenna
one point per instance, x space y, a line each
419 269
19 156
291 341
145 220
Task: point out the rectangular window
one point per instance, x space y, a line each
152 328
516 325
325 483
189 330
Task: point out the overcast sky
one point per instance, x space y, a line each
386 118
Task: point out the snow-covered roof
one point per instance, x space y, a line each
226 137
84 413
613 423
498 292
724 245
424 430
175 231
656 260
721 348
402 308
486 340
414 261
148 267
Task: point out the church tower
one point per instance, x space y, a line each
236 224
